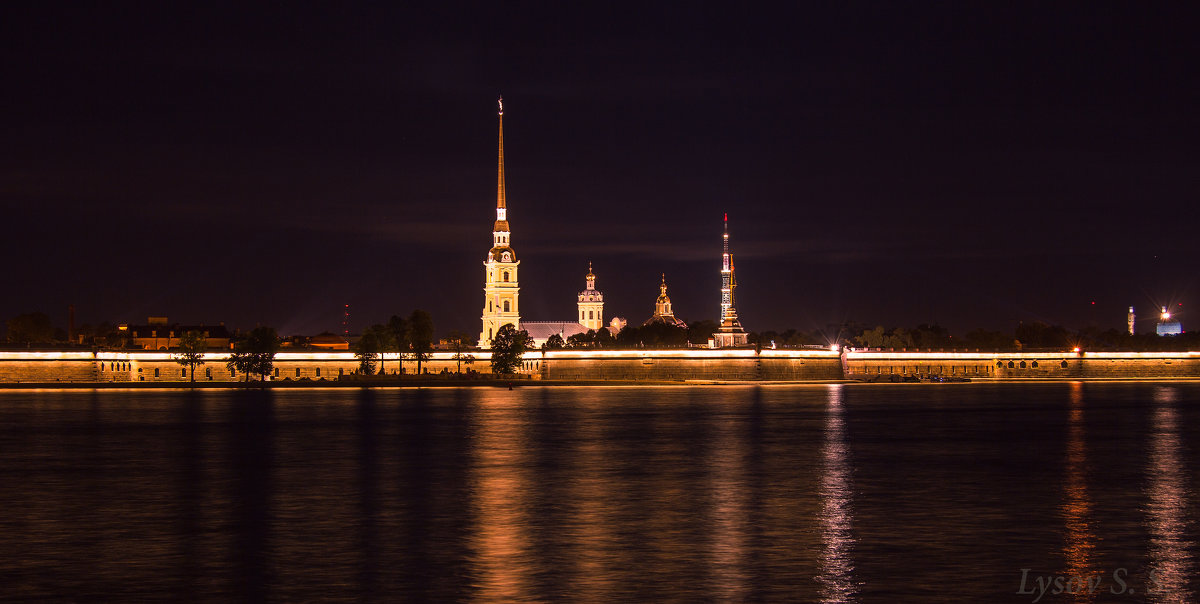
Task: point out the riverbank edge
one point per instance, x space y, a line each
523 383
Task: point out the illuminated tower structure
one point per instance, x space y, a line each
730 333
1168 326
591 304
1131 318
500 287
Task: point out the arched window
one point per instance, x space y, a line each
1064 364
1011 364
1033 364
506 306
1022 364
999 363
506 276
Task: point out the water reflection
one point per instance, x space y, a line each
1079 541
191 489
837 567
606 494
1170 558
500 485
368 494
252 425
727 492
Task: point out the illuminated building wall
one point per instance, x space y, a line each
635 365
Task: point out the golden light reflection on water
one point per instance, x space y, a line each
837 567
1167 511
727 488
1080 541
592 531
500 482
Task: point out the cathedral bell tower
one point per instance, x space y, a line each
500 266
591 304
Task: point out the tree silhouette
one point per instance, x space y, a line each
191 352
508 346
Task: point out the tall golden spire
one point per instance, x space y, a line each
501 208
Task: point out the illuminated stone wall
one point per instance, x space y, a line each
48 371
678 365
1065 365
683 365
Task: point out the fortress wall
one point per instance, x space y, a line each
786 369
162 367
1141 368
48 371
1064 365
680 365
857 369
663 365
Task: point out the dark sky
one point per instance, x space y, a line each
883 163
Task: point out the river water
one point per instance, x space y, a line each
822 493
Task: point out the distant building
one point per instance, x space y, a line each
1131 318
328 341
662 308
1168 326
616 325
541 331
159 334
591 303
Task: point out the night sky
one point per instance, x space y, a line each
880 163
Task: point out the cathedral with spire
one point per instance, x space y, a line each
501 289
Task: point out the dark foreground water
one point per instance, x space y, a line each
941 493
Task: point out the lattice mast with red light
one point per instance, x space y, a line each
730 333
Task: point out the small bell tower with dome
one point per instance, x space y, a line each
500 266
591 304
